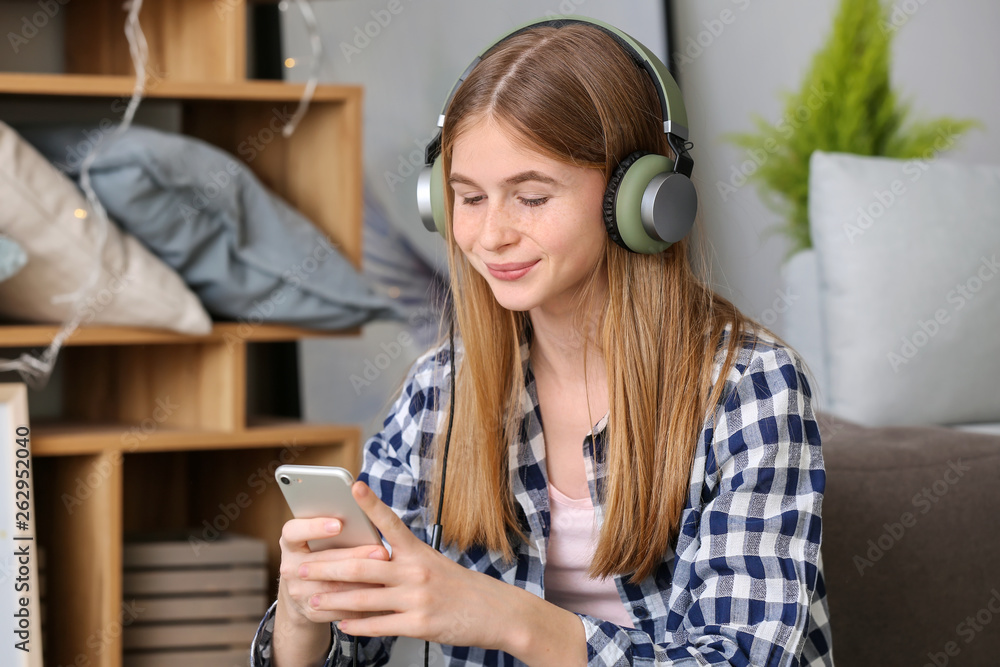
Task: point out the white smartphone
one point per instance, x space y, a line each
313 491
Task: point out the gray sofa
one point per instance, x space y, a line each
911 544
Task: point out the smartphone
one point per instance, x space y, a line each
313 491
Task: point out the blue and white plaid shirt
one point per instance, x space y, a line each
743 584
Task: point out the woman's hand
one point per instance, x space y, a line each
295 552
422 593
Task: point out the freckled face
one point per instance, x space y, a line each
532 226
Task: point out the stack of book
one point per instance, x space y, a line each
190 602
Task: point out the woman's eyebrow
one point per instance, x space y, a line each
512 180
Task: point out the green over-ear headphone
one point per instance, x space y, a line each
650 202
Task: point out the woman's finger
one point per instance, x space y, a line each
388 522
336 587
388 624
355 570
363 600
297 532
290 565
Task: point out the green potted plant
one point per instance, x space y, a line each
846 104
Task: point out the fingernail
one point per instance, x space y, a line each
376 554
362 490
332 526
314 601
303 571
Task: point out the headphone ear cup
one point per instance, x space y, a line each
669 206
611 197
638 206
430 197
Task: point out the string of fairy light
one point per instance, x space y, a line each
36 370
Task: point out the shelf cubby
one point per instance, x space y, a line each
149 430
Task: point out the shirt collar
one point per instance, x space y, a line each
526 462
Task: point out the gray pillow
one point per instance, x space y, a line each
246 253
12 258
910 287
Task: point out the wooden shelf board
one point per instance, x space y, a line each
97 85
28 335
71 439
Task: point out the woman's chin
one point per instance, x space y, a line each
516 307
517 303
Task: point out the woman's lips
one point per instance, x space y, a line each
511 271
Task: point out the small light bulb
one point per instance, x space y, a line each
289 62
80 213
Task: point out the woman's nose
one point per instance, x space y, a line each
499 227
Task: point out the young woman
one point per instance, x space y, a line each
635 473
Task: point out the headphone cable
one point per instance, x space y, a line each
437 530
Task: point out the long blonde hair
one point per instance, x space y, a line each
574 95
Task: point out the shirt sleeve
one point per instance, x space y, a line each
390 466
752 568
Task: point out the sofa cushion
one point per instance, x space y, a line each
908 254
911 544
800 322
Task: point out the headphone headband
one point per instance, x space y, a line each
671 102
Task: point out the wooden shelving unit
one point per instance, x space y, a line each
156 433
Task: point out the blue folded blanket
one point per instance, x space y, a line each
246 253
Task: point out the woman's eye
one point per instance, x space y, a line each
472 201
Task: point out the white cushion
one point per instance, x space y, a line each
989 429
799 323
907 253
134 287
